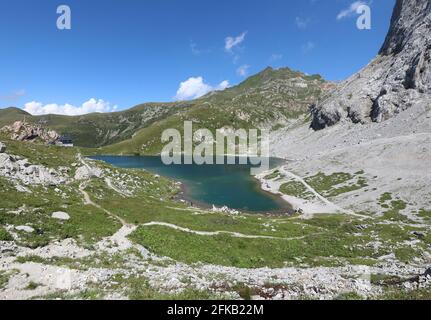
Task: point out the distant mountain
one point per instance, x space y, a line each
9 115
270 96
98 129
396 80
266 99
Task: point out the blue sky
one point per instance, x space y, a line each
122 53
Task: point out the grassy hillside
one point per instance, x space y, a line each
263 100
98 129
266 100
9 115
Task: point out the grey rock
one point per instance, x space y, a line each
7 247
21 170
397 79
2 147
4 159
23 163
25 229
21 188
418 234
86 172
60 215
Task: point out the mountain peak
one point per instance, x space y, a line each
270 74
267 69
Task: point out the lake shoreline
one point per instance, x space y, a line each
214 188
287 211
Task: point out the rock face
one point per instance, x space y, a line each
87 172
18 169
398 78
23 131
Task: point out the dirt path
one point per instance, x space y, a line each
88 201
216 233
130 228
110 185
349 212
318 195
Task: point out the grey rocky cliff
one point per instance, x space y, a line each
398 78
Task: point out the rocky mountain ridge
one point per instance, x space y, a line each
271 96
398 78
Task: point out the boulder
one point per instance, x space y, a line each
23 163
2 147
5 159
19 169
60 215
25 229
86 172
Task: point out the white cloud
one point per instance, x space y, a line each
243 70
90 106
194 48
195 87
351 10
232 42
307 47
223 85
302 23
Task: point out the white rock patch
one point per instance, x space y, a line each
87 172
60 215
25 229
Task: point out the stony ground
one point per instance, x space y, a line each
388 158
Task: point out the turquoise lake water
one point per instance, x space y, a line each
219 185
